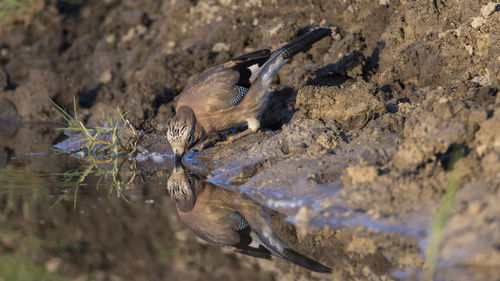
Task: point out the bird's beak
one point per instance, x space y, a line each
178 165
178 153
177 158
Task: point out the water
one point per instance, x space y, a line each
73 217
78 217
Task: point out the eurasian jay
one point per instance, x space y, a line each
230 94
228 219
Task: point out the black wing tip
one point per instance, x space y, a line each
305 262
304 41
323 31
323 269
261 252
264 53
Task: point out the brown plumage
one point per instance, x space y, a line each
230 94
228 219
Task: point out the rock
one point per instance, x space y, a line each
489 8
129 35
105 77
384 3
482 80
221 47
469 49
225 2
477 22
53 264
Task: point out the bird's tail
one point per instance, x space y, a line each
304 261
303 42
280 56
278 248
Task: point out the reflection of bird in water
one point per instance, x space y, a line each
226 219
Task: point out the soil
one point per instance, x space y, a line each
360 129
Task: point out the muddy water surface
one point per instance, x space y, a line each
72 217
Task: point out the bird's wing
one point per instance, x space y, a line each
212 226
222 226
263 243
260 65
249 242
224 86
256 245
280 56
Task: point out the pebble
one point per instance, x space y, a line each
482 80
225 2
129 35
477 22
469 49
110 39
53 264
384 2
105 77
221 47
443 100
141 29
474 208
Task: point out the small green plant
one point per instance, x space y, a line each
24 11
18 261
442 214
99 140
19 10
108 168
20 190
19 268
103 149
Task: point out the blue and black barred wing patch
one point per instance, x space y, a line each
240 94
241 222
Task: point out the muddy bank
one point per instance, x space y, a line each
360 128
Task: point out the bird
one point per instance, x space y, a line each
230 94
227 219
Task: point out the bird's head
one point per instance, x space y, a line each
180 187
181 133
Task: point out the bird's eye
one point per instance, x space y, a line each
191 138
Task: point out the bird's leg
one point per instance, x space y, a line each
209 141
253 126
232 138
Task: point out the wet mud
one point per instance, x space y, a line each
355 145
